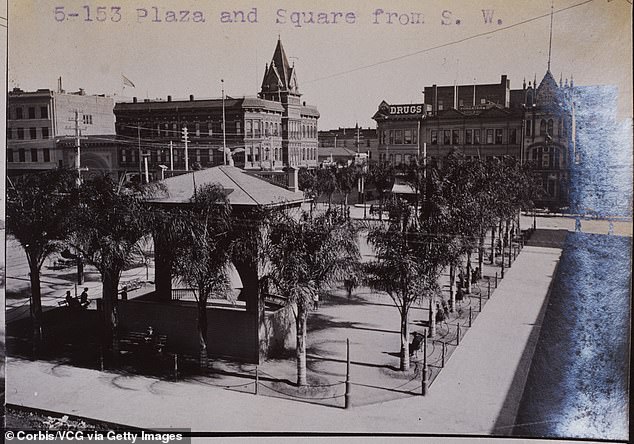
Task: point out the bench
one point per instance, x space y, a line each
63 303
136 341
132 284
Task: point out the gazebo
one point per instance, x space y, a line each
248 330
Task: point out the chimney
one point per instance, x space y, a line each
133 99
169 98
191 97
292 180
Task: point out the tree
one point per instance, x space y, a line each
108 224
37 216
382 176
203 253
345 177
407 267
326 182
308 255
308 183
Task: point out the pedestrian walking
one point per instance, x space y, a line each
315 302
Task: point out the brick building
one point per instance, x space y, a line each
267 132
487 121
43 125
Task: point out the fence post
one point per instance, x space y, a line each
443 354
496 279
458 334
469 317
425 347
489 290
502 269
480 301
257 379
101 358
423 386
175 366
347 394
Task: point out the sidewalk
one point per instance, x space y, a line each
477 392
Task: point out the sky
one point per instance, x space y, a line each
345 69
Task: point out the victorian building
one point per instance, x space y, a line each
268 132
487 121
44 128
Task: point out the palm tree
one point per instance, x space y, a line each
108 225
407 268
308 255
382 176
202 255
38 216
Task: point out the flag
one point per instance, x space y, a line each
127 82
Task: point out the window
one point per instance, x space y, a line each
391 138
529 127
455 137
257 129
446 139
513 135
44 112
87 119
18 113
247 128
9 155
238 127
498 136
483 101
124 158
45 132
46 153
545 162
489 136
434 137
398 137
440 105
550 127
198 131
31 112
476 137
367 143
542 127
407 136
398 159
468 137
9 133
21 155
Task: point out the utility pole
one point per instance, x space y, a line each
138 136
357 138
224 137
75 121
186 140
171 156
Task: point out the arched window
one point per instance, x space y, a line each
550 127
542 127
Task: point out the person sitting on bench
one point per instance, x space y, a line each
71 301
414 346
83 298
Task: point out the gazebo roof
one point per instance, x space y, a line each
243 189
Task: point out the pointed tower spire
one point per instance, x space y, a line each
572 84
550 41
561 78
524 84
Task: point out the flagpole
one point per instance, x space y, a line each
224 138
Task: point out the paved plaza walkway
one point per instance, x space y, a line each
477 392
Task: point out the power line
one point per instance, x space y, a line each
444 45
